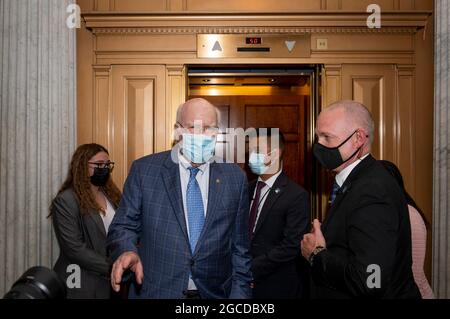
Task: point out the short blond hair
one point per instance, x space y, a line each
356 113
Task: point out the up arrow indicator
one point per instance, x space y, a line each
217 47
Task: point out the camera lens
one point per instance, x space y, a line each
37 283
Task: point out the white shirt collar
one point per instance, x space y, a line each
342 175
269 182
186 164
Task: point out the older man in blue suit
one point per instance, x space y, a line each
181 226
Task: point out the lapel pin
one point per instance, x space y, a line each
277 190
217 181
345 189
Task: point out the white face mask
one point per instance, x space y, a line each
198 148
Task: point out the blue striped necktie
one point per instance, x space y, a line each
195 210
334 191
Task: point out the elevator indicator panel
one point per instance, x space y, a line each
253 46
253 40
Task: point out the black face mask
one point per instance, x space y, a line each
100 177
330 157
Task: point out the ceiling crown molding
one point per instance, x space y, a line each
260 23
248 30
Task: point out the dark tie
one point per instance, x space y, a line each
254 208
334 191
196 213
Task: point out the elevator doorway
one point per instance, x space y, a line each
285 98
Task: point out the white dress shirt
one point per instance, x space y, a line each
342 175
202 178
264 193
109 215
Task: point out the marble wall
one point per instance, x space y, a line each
441 191
37 134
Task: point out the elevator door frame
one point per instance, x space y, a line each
318 178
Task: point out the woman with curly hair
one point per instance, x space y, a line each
82 212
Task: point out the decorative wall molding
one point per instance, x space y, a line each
176 84
102 69
249 30
298 23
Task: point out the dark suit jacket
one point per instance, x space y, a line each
151 213
368 224
82 241
278 268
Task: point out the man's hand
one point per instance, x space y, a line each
128 260
312 240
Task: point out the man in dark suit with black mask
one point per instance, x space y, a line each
363 247
279 217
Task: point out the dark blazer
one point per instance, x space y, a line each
368 224
151 213
278 267
82 241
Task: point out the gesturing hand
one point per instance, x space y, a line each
128 260
312 240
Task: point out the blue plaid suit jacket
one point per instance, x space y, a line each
150 221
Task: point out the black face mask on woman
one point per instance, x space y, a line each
330 157
100 177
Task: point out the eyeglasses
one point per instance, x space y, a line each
210 130
109 165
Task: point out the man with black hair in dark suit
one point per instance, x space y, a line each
279 216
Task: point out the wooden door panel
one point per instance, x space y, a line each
285 117
139 118
374 86
289 115
138 99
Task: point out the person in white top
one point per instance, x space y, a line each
81 214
